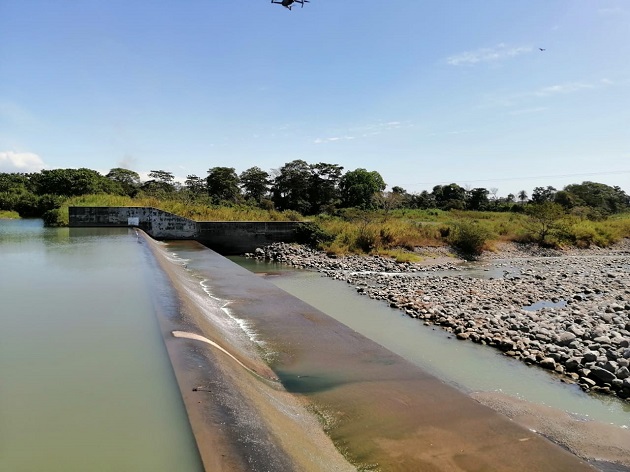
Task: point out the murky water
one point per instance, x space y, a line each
85 380
468 366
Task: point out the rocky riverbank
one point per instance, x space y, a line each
565 311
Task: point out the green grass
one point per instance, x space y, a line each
402 230
395 233
192 210
11 215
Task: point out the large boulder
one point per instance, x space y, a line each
603 375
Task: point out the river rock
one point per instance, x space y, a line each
602 374
585 333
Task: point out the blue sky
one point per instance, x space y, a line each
424 92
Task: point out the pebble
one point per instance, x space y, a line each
581 331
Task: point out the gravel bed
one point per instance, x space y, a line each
565 311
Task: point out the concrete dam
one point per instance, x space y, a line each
224 237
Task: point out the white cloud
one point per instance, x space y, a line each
11 161
569 87
333 139
527 111
614 11
497 53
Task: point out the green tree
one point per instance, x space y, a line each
162 184
290 190
72 182
478 199
423 200
601 197
222 184
522 197
195 186
358 188
449 197
324 186
128 180
542 194
255 183
545 219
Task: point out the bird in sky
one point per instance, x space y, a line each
542 49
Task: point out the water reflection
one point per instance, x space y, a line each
86 381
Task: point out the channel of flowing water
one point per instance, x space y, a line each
466 365
86 382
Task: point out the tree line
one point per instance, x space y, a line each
308 189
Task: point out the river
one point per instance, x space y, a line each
468 366
86 382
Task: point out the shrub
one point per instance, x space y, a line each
312 234
469 238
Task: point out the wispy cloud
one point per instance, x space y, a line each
11 161
333 139
528 111
524 98
497 53
611 11
571 87
363 131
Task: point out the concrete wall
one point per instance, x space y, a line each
225 237
237 237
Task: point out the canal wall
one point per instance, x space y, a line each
224 237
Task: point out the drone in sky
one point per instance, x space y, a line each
289 3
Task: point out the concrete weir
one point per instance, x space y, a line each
225 237
313 395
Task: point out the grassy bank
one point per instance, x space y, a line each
472 232
11 215
192 210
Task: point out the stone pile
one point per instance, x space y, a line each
568 314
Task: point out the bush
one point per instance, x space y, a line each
312 234
468 238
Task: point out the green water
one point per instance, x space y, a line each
85 380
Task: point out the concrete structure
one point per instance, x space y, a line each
224 237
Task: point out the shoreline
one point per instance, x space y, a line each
567 312
539 275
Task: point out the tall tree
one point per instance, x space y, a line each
71 182
542 194
450 196
291 186
195 185
127 179
522 197
602 197
324 186
478 199
423 200
222 183
162 184
359 186
255 183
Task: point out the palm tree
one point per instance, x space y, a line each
522 196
